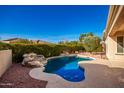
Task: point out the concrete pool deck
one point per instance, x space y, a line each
99 73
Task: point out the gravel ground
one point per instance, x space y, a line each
17 76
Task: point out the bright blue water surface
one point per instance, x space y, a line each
67 67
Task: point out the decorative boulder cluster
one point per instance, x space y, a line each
34 60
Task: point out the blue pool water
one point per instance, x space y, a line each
67 67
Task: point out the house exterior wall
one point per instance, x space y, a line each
5 42
111 47
5 60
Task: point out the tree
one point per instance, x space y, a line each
91 43
61 42
82 36
89 34
72 43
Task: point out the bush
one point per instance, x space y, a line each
99 49
4 46
48 50
91 43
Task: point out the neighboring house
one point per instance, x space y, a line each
114 33
15 40
4 41
11 40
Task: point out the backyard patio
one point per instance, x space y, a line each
98 73
89 61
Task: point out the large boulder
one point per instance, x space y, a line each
35 64
34 60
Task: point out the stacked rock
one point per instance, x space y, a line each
34 60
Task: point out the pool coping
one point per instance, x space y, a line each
69 56
94 77
61 56
34 73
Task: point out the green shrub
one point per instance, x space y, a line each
48 50
99 49
4 46
19 50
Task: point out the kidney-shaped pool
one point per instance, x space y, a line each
67 67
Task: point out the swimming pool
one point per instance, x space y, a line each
67 67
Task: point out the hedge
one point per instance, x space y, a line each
48 50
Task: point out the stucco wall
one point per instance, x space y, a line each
5 60
111 47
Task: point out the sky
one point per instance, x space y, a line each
51 23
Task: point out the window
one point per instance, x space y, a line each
120 44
